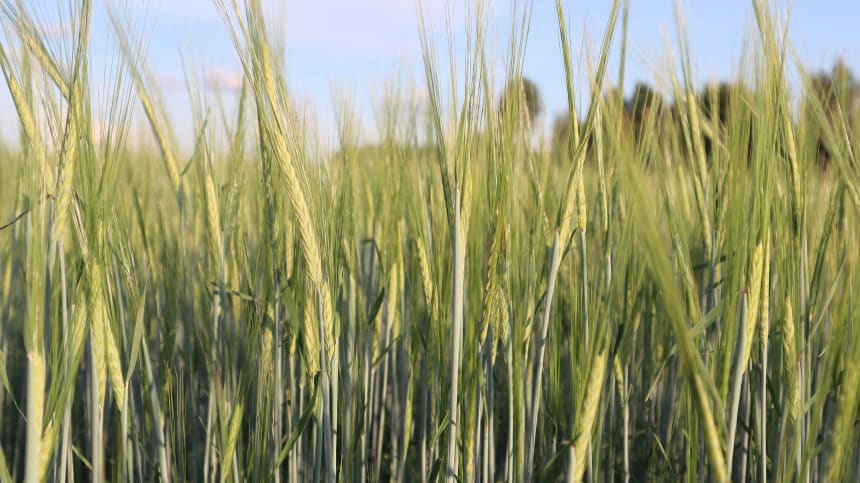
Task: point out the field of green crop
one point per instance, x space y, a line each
670 293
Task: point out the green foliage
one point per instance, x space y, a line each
521 97
669 292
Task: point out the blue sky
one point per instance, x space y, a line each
356 46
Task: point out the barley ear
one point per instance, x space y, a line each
752 314
424 266
97 329
581 203
233 428
114 365
49 439
789 356
588 412
310 339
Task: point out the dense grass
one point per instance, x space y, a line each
455 302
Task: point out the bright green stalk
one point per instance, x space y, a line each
540 347
326 434
459 251
738 377
158 419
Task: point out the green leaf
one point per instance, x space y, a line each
301 424
441 429
377 304
4 378
434 470
137 336
5 477
552 471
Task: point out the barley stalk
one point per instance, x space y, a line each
456 339
35 414
288 302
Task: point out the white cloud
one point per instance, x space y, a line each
220 79
56 30
166 82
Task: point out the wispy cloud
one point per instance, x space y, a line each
56 30
166 82
220 79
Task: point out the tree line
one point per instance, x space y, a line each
726 109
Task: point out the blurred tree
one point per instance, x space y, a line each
726 113
837 94
560 143
644 103
521 100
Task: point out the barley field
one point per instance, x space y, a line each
665 292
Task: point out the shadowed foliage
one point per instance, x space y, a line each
837 93
521 98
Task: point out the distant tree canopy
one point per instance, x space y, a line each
836 88
720 102
836 96
644 103
521 97
721 106
727 110
560 143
